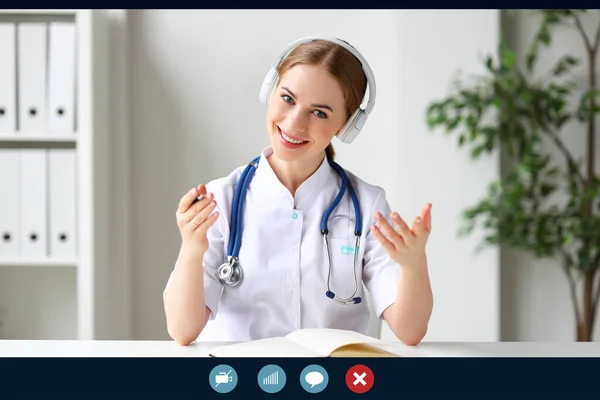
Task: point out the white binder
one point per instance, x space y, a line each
31 66
61 198
8 78
9 203
61 78
33 203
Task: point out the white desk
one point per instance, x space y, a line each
100 348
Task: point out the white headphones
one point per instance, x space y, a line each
357 121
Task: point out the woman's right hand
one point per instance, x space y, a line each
194 219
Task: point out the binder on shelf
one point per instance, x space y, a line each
62 203
61 78
33 203
9 209
32 80
8 78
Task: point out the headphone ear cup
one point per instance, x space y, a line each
353 126
267 86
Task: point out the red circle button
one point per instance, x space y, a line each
360 378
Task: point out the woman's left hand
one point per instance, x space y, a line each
406 246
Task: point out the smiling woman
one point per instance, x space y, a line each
307 109
310 68
301 262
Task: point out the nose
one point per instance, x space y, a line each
297 120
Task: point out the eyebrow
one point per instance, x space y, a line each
313 105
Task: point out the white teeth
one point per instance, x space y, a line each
289 139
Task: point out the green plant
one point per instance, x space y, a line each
541 204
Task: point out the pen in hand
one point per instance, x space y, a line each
197 199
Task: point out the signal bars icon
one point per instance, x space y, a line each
272 379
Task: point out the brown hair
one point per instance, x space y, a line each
340 63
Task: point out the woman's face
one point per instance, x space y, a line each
306 111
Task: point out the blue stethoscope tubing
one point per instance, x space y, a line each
231 274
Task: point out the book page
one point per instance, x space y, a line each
271 347
325 341
361 350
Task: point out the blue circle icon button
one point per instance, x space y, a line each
271 378
314 378
223 378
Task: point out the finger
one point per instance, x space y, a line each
186 201
208 222
389 231
419 227
202 193
203 214
427 216
198 198
197 207
192 211
403 229
387 245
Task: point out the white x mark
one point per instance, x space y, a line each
359 379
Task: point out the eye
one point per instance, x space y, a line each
287 99
320 114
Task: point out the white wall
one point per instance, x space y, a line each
195 115
536 304
38 303
435 46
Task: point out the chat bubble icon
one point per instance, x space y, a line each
313 378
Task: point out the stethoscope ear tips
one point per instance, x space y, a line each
330 294
357 300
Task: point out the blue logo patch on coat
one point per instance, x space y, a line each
348 250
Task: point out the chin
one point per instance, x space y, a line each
284 154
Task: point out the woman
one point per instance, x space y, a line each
288 278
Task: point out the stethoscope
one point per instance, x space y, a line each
230 273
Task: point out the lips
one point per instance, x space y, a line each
288 141
288 136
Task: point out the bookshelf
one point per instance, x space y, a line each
37 138
69 297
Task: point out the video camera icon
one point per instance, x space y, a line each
223 378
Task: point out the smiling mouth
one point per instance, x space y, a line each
290 139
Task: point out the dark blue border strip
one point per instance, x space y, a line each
394 378
276 5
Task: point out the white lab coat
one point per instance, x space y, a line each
284 259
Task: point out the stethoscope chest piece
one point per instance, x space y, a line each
230 273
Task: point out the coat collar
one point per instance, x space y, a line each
268 186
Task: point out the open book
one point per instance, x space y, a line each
316 342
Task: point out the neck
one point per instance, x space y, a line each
293 174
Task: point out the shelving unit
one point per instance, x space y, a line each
65 297
37 138
42 262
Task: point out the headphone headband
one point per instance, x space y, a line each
356 122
